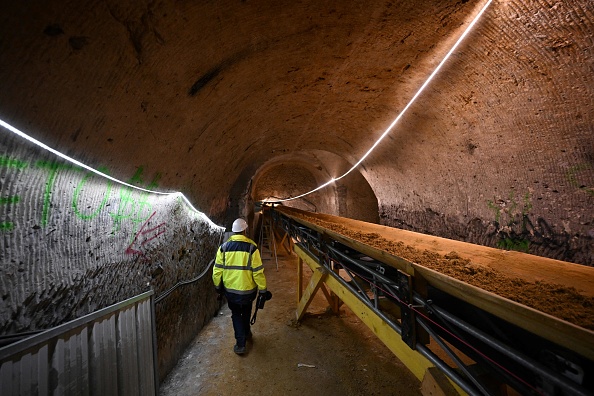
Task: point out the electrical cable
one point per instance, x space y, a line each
181 283
78 163
466 31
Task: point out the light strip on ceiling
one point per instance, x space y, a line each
78 163
466 31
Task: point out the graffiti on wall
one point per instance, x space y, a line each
516 229
132 207
512 221
144 236
6 162
53 169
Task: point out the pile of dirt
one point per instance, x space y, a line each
562 302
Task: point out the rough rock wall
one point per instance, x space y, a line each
500 149
73 242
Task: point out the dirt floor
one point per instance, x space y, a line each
325 354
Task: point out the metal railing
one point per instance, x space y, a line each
109 352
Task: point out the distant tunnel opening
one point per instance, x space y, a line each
287 177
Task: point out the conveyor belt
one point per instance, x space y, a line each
549 354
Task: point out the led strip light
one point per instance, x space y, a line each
177 193
476 18
78 163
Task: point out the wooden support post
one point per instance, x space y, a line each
331 298
315 282
282 242
335 302
435 383
299 279
415 362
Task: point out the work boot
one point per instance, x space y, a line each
240 350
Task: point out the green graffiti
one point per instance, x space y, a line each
7 200
511 211
133 206
135 210
573 178
143 202
6 226
526 210
136 178
126 201
53 167
154 183
515 218
517 244
496 208
77 193
12 163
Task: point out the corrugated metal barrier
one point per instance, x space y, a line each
109 352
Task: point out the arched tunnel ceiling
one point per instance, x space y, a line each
203 94
290 175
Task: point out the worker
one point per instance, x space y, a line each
238 273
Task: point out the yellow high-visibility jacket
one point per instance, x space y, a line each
238 266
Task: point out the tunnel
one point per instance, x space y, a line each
206 109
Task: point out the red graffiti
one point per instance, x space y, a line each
138 241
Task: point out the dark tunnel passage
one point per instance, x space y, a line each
235 102
287 177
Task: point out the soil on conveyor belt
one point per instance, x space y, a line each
560 301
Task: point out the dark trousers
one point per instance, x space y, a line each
241 313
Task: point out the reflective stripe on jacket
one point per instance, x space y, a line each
238 266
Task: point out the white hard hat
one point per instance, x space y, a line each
239 225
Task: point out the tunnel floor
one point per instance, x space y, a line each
346 357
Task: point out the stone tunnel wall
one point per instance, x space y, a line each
73 242
499 149
516 229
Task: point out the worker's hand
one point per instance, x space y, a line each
263 296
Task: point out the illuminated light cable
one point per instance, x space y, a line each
78 163
466 31
307 193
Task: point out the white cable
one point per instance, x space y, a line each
78 163
476 18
